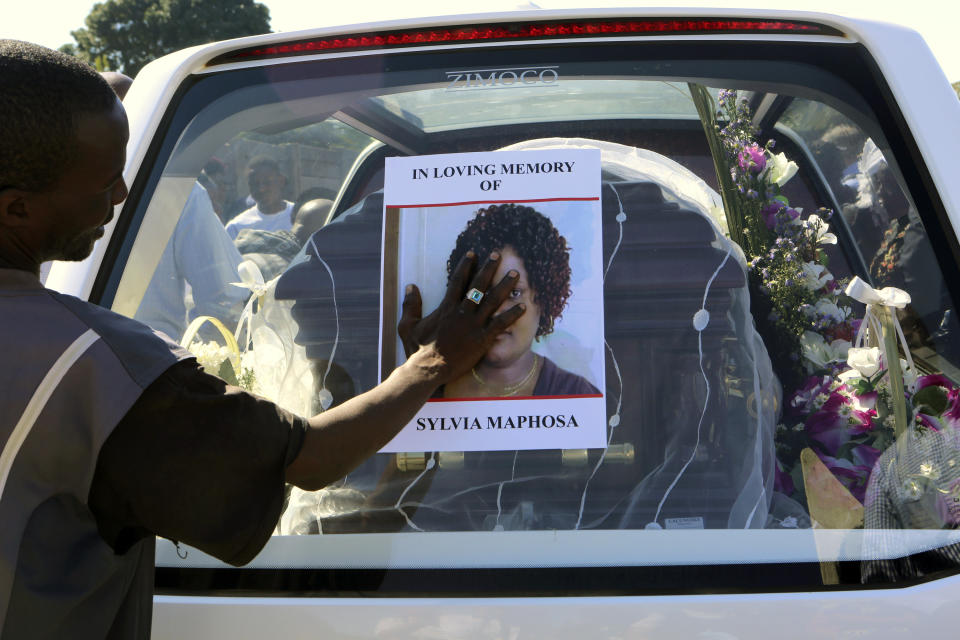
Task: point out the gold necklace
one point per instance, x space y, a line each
510 389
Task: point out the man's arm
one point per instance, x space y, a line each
445 345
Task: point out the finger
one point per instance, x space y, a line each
481 281
412 312
457 286
502 321
496 296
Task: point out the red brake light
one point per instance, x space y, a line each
514 31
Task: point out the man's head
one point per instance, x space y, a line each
119 82
309 217
266 184
63 136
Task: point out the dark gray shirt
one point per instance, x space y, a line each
198 461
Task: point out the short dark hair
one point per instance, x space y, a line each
43 93
545 254
263 162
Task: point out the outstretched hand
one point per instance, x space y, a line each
459 330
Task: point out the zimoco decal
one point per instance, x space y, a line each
513 78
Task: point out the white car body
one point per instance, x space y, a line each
924 98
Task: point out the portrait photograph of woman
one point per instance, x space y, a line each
541 384
553 349
530 244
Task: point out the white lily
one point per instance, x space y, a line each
822 229
815 276
817 351
866 361
779 169
828 309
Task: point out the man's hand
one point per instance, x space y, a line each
441 347
459 331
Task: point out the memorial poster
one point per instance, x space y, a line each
541 385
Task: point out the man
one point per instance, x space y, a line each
111 434
199 254
213 177
272 212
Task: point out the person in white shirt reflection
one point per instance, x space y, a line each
272 212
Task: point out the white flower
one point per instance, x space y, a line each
210 355
718 216
815 276
779 169
909 375
849 376
827 308
866 362
819 400
819 226
817 351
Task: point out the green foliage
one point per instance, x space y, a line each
124 35
932 400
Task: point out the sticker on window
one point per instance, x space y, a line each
540 385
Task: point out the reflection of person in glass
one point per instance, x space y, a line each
530 244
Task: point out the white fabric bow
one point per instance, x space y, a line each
871 330
252 279
887 297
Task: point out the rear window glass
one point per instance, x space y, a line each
763 254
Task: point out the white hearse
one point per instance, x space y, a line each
767 187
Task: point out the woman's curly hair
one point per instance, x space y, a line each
544 252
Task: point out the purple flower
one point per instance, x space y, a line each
827 426
928 422
862 421
769 213
948 504
952 414
868 400
865 455
752 158
937 379
814 386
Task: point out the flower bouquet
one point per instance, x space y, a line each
844 400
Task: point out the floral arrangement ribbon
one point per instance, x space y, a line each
231 342
252 279
881 328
